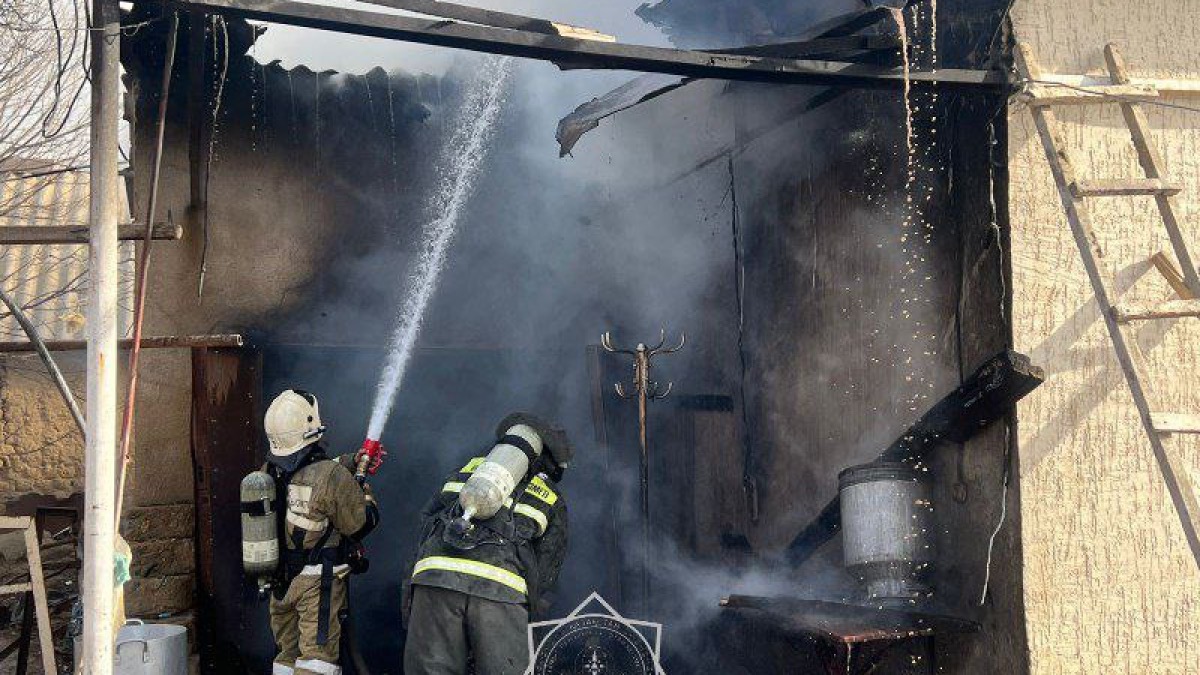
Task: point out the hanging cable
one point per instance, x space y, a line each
1120 98
749 482
212 140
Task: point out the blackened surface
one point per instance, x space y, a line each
226 407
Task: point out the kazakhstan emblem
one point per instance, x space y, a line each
594 640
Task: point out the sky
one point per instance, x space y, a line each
321 50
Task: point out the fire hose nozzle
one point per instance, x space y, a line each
370 457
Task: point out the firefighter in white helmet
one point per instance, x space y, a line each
493 542
326 516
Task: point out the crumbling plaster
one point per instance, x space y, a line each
1110 585
40 446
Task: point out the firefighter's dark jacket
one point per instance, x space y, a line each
519 564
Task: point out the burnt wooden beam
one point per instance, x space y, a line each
489 17
589 53
831 45
848 623
78 234
163 342
981 399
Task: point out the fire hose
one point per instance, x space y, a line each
370 457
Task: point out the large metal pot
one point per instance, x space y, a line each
887 531
147 649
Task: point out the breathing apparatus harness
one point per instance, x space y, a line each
465 535
349 550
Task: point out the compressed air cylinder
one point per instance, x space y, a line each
496 478
260 538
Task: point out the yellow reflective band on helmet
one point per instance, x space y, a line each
529 511
538 488
455 486
472 568
472 465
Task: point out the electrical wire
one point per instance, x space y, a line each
749 484
987 572
1115 97
127 30
212 140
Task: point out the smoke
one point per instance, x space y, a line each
632 234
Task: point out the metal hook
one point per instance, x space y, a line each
607 343
669 350
662 339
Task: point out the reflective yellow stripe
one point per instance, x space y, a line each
527 510
538 488
455 486
472 465
473 568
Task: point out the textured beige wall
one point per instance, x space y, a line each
1110 585
41 449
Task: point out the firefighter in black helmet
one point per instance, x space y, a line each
493 541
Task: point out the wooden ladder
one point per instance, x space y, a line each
1074 191
35 586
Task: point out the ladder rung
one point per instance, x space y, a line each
1119 188
1175 423
1173 309
1052 94
1171 273
16 588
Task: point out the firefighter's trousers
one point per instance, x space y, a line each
294 624
446 627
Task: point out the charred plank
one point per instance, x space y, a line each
983 398
590 53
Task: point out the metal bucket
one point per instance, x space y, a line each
887 529
147 649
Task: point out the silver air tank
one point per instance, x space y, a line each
887 530
260 539
496 478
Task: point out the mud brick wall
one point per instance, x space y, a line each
41 450
164 561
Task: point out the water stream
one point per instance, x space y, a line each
457 170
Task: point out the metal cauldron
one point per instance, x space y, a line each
147 649
887 531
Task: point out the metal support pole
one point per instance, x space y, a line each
102 360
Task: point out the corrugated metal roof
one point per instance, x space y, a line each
50 281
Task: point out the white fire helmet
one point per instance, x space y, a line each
292 422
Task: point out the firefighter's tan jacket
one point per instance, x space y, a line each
318 495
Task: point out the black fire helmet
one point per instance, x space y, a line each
554 438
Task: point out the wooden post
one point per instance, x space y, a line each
226 418
100 452
35 588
